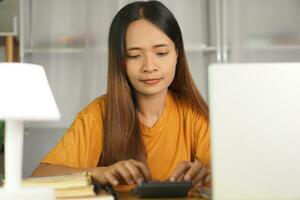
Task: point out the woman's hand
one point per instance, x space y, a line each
191 171
122 172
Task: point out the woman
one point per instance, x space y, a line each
152 123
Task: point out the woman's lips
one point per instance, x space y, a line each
151 81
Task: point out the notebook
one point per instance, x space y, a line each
255 130
77 186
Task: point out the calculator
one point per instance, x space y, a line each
162 189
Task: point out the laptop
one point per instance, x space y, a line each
255 130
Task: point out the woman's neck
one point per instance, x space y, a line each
151 107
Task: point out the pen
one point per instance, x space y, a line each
112 191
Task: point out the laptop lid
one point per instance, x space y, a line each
255 130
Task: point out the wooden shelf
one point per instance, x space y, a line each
11 47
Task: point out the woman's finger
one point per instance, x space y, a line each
143 168
207 178
180 178
199 179
123 171
111 178
181 168
135 172
195 169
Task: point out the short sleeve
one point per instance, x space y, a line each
80 146
202 140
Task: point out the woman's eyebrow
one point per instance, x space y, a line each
154 46
160 45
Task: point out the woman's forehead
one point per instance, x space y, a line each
143 33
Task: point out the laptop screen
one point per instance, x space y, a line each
255 130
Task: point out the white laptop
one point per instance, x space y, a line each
255 130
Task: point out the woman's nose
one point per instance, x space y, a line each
149 64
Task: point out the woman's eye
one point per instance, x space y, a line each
162 53
133 56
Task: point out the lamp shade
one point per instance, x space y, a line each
25 93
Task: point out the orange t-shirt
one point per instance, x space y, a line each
179 135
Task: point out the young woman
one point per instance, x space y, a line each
152 123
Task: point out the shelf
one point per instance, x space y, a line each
274 47
14 32
200 48
189 48
63 50
3 34
278 43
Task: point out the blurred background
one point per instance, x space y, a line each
69 39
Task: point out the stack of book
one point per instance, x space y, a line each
79 186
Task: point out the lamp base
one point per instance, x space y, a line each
27 194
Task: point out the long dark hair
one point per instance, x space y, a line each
122 132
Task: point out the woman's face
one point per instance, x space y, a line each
151 58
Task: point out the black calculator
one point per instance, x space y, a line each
162 189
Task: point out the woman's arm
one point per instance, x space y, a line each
130 171
54 170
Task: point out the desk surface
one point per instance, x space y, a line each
129 196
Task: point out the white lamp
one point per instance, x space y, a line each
24 95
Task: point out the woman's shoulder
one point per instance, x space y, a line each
178 102
95 108
183 106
